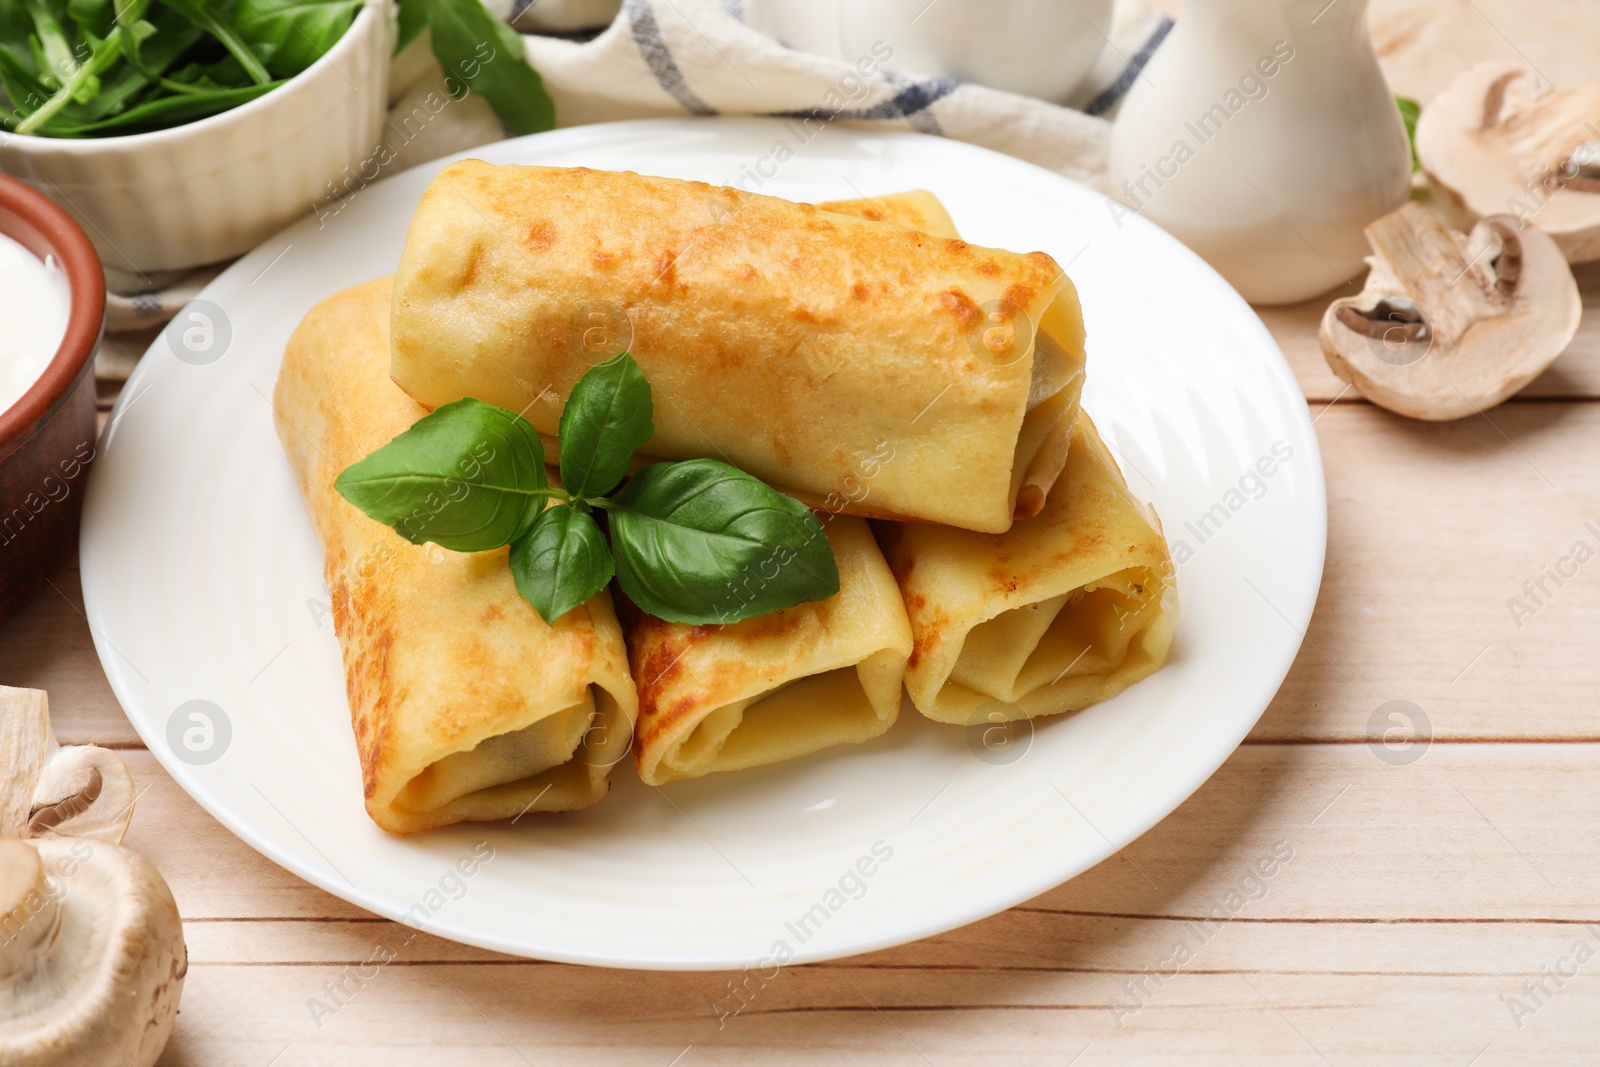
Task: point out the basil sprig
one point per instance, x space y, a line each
697 542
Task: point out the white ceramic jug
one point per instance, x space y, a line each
1262 135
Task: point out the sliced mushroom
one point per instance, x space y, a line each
92 958
1499 141
75 790
1448 323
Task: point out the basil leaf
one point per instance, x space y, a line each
470 477
478 50
702 542
605 420
561 562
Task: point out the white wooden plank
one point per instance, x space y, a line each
1469 831
526 1014
1433 529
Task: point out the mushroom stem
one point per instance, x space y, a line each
28 911
1429 264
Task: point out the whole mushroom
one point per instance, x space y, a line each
1449 324
92 958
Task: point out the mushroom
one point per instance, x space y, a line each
1498 140
77 790
92 958
1448 323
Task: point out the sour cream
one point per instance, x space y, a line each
34 304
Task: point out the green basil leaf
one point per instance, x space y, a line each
702 542
470 477
290 35
605 420
561 562
485 55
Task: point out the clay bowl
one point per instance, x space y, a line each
47 438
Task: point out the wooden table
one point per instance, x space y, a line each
1428 884
1441 902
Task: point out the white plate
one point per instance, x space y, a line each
203 582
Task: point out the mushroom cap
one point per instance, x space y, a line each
1450 324
84 792
102 988
1498 141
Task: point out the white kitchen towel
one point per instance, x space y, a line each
711 57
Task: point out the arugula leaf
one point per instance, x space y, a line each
561 562
411 20
102 54
606 419
1409 111
290 35
703 542
469 477
166 111
93 16
56 60
202 15
483 54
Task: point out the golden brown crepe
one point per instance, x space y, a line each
777 686
1063 610
915 209
1047 432
853 362
466 705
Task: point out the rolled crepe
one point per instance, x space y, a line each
1047 432
777 686
466 705
915 209
857 364
1066 609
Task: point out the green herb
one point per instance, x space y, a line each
562 562
1409 110
470 477
480 53
682 529
87 68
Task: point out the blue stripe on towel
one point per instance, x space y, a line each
647 35
910 103
1108 97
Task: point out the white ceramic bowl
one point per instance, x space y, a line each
212 189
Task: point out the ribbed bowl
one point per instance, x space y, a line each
212 189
